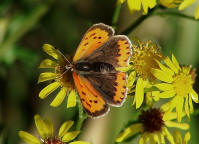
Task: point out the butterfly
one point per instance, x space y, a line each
96 79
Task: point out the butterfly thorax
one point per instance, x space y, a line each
87 67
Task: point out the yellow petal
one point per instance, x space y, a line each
148 99
167 94
152 3
141 140
187 137
187 106
64 128
145 6
130 131
70 136
46 76
168 135
41 127
47 63
50 50
166 106
155 95
71 99
186 69
134 5
79 142
165 69
194 96
28 138
120 2
177 137
59 98
131 79
146 84
161 75
48 89
183 126
161 138
179 107
185 4
175 62
190 104
196 13
156 139
151 139
169 63
169 106
171 116
49 127
164 86
139 94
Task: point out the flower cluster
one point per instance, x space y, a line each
137 5
154 77
145 5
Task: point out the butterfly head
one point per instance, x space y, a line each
69 67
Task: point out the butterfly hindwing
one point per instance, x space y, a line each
92 101
116 51
95 37
112 86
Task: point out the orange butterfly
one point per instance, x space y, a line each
93 69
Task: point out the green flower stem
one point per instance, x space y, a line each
177 14
138 22
82 116
116 15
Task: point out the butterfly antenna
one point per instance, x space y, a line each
62 74
63 56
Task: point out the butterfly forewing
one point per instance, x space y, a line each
95 37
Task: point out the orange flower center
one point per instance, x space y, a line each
65 76
53 141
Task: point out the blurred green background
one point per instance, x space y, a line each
25 25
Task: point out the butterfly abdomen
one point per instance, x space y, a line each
94 67
103 67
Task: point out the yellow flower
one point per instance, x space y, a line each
153 127
171 3
137 5
60 74
142 61
177 82
178 138
45 130
187 3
